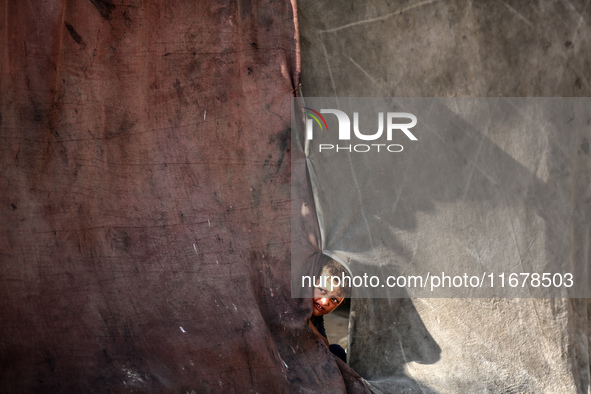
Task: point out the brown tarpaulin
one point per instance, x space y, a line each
145 233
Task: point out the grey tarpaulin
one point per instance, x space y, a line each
144 197
461 173
432 48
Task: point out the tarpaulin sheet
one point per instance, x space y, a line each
429 197
424 48
146 203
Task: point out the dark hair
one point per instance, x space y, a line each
334 268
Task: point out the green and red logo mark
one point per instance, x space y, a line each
315 116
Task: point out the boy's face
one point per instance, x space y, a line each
326 297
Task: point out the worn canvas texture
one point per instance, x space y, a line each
145 196
467 49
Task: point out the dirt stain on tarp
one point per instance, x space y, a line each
122 124
75 35
282 139
103 7
120 240
585 146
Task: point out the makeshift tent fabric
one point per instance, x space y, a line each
534 181
145 200
146 194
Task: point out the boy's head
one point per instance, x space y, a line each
331 288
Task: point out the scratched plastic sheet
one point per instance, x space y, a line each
451 49
428 197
